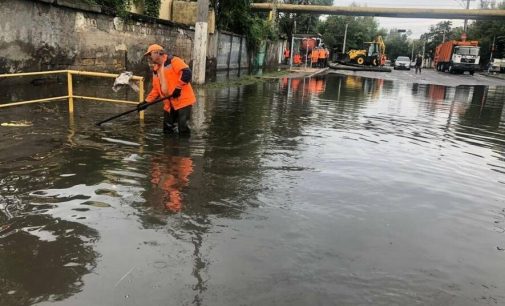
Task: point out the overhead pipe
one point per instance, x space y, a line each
383 11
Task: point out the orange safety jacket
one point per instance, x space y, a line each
297 59
322 54
173 68
286 53
314 55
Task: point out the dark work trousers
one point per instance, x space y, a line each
418 67
177 120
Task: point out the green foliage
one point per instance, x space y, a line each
487 31
290 23
258 31
397 44
236 16
121 7
484 31
152 7
359 30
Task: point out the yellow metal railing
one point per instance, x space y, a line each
70 94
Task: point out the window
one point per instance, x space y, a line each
467 51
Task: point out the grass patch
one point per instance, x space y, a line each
247 80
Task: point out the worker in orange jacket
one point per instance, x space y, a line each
171 77
286 55
297 60
322 56
314 56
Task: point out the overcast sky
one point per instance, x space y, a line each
416 25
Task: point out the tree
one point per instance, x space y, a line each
485 31
121 7
359 30
397 44
293 23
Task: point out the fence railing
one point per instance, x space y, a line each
70 88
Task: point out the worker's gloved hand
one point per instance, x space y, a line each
142 105
176 93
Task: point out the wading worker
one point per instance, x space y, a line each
171 77
419 63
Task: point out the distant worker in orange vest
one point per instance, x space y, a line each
322 56
297 59
314 56
286 55
171 77
326 57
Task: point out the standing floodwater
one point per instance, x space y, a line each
336 190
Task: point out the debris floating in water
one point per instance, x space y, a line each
121 141
22 123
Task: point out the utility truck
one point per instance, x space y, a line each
458 56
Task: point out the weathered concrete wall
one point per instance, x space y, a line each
273 56
35 36
231 51
184 12
62 34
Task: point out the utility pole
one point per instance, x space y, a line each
200 42
466 20
492 49
412 56
345 37
424 49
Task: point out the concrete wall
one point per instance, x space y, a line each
36 36
61 34
184 12
231 51
273 56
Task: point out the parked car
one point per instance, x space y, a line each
402 62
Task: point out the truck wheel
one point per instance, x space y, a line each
451 69
472 72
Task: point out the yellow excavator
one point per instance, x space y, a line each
375 55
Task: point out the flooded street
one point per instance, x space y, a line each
336 190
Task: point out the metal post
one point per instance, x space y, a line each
345 37
70 93
424 48
291 54
306 55
412 56
443 37
200 42
141 98
466 20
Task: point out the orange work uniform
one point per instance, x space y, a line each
297 59
286 53
173 67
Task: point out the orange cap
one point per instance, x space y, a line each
152 48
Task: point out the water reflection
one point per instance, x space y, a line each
43 258
301 191
169 174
